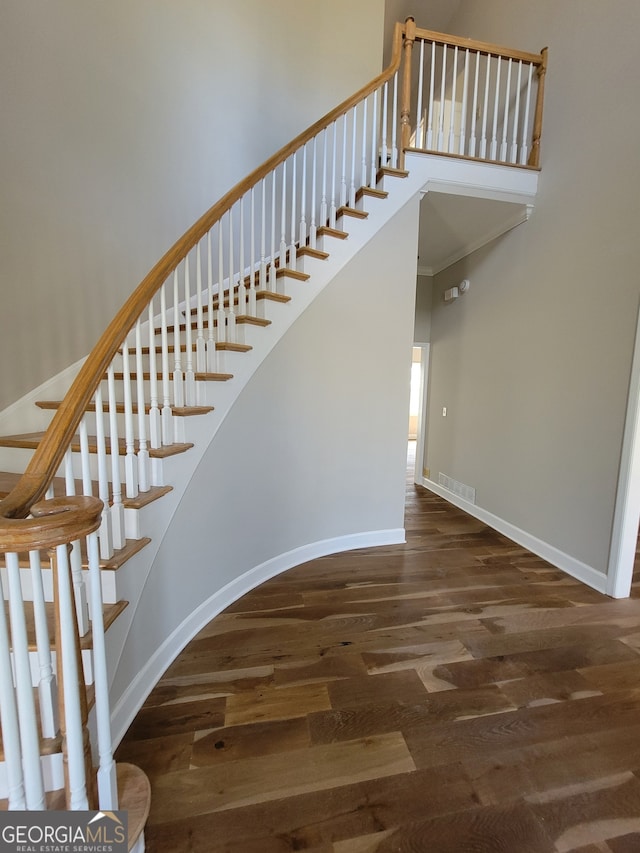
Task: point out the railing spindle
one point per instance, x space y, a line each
178 377
513 157
384 153
394 125
9 717
302 240
294 188
272 264
155 427
443 83
374 139
201 347
485 110
242 288
29 739
493 151
130 461
117 508
432 75
167 414
474 108
465 96
343 178
210 366
231 309
47 687
313 227
189 374
524 149
505 121
352 182
363 178
334 157
419 137
283 218
105 534
452 112
253 271
75 557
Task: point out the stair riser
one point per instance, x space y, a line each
107 578
52 774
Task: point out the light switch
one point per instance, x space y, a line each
444 411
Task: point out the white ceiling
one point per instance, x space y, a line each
453 226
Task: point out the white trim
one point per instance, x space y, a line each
132 699
581 571
422 411
624 535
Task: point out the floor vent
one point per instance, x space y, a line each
467 493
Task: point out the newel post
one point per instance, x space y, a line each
405 104
534 156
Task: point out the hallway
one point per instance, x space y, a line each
452 694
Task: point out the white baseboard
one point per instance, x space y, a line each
131 701
581 571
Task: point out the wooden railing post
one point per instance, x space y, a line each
405 104
534 156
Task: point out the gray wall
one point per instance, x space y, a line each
422 324
533 364
122 122
314 448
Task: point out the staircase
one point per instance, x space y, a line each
148 403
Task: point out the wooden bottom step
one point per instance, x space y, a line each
30 441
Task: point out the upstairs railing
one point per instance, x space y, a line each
170 339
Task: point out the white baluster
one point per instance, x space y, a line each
452 112
201 348
130 461
178 384
71 681
513 157
263 237
384 152
324 210
252 308
334 157
231 312
432 77
272 265
75 558
474 108
485 110
524 150
374 138
363 181
47 687
419 140
143 449
221 319
117 508
294 188
107 787
283 214
443 81
505 121
155 426
29 739
189 375
10 725
242 288
167 414
394 124
313 226
343 178
106 539
302 239
354 133
493 152
211 341
465 96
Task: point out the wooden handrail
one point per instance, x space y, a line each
479 46
53 446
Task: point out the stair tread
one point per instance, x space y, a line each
30 440
391 172
180 411
352 211
220 345
313 253
8 481
287 272
201 377
332 232
374 192
110 613
116 561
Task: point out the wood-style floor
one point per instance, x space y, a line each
452 695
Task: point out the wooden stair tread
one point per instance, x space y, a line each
352 211
116 561
110 614
30 441
180 411
286 272
373 192
241 320
307 251
390 172
325 230
220 345
200 376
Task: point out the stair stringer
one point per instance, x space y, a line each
140 660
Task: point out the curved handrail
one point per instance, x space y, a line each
51 449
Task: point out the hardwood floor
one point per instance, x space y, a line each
455 694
